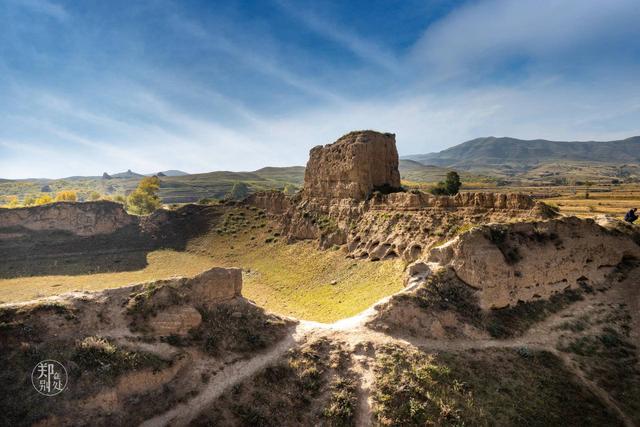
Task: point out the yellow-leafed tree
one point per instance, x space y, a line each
144 199
66 196
11 202
43 200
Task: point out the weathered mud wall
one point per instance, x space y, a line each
274 202
82 219
403 224
339 203
83 238
532 260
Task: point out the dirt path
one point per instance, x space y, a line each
364 368
184 413
356 335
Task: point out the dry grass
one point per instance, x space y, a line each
161 265
614 201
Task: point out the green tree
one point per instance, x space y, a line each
239 191
144 199
449 187
452 183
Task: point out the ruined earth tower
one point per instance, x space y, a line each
353 166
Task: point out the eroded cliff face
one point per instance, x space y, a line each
408 224
534 260
403 224
352 167
81 219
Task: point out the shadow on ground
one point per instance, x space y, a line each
28 253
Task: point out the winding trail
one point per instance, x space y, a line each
184 413
353 332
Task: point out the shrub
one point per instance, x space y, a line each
207 201
66 196
120 199
342 405
449 187
94 195
11 202
98 355
29 200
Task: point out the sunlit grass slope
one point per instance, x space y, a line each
297 279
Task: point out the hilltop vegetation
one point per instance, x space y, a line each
173 189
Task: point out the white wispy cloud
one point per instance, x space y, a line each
330 30
149 116
252 56
484 34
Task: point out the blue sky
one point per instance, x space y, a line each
92 86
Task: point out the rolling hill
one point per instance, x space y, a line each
491 151
416 172
174 187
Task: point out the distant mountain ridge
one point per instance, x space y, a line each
491 151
